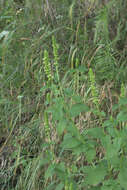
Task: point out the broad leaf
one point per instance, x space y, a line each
123 177
95 175
122 116
73 130
59 186
78 108
70 143
90 155
106 188
95 132
123 101
61 126
111 147
50 171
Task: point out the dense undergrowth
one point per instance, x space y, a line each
63 95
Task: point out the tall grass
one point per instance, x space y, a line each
63 94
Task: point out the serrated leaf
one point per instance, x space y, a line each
111 148
115 107
106 188
95 132
70 143
60 171
112 131
122 116
115 161
82 69
111 151
78 108
123 177
107 123
68 92
71 128
90 155
51 186
49 171
110 123
111 184
123 101
95 175
80 149
77 98
95 188
57 112
61 126
43 162
59 186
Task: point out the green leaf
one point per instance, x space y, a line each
5 101
112 184
82 68
115 161
59 186
115 107
68 92
90 155
107 123
43 162
60 171
112 131
57 111
77 98
51 186
95 175
95 132
123 101
94 188
71 128
106 188
111 147
122 116
78 108
61 126
70 142
50 171
110 123
123 177
80 149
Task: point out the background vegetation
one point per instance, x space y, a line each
63 95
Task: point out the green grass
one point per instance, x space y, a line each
63 95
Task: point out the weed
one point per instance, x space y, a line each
63 103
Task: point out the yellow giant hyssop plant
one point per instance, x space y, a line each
63 95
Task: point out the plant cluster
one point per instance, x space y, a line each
63 95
